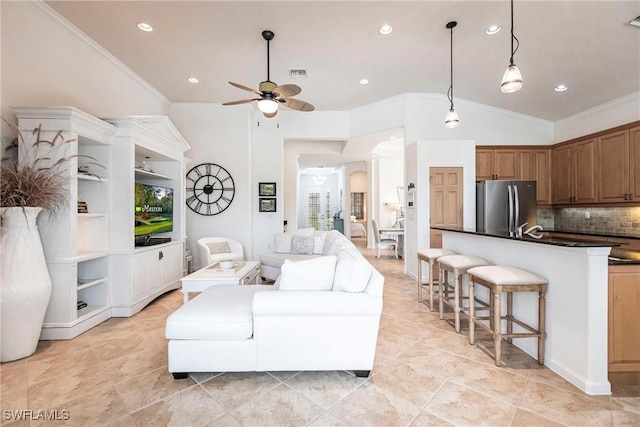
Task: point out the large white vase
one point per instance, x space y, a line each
25 286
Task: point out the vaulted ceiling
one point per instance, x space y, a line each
587 45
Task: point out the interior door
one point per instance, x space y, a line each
318 208
445 195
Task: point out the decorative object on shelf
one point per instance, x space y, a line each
30 181
210 189
144 165
267 204
82 207
267 189
512 78
452 119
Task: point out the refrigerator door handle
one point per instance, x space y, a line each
511 222
516 205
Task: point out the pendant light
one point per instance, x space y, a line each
512 79
452 119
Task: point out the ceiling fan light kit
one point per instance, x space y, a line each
452 120
512 78
272 95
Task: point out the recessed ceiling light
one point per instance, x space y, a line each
364 81
145 27
193 80
392 137
386 29
561 88
493 29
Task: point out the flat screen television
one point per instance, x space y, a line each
153 210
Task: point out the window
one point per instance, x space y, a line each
357 205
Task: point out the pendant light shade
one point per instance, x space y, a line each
452 119
268 105
512 79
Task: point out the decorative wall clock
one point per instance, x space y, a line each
210 189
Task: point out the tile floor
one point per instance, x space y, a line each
425 374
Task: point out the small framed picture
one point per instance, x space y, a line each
267 204
267 189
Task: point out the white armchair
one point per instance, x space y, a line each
214 249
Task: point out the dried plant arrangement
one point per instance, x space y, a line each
36 174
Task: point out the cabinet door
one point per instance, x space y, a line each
624 318
542 169
585 171
484 164
613 167
526 165
634 170
505 164
563 174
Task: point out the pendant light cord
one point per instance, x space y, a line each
513 37
450 91
268 56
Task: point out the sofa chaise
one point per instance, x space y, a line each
322 313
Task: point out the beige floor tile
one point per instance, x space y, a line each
427 419
201 377
324 388
328 420
528 419
90 409
370 405
437 361
564 406
131 341
191 407
490 380
283 375
513 359
279 406
412 383
544 375
464 407
235 388
148 388
448 340
136 363
14 392
75 382
60 365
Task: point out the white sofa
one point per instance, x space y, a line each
271 262
213 249
322 314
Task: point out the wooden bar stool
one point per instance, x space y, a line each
430 256
456 265
499 279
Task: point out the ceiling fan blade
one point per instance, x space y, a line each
242 101
296 104
270 115
287 90
248 89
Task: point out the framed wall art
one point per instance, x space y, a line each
267 204
267 189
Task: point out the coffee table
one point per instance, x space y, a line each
243 273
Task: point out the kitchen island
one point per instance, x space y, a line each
576 300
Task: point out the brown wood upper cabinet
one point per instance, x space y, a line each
574 172
617 166
496 163
534 165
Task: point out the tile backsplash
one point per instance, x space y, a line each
612 220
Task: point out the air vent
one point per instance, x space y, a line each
635 22
298 73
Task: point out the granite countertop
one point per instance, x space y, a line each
593 233
617 256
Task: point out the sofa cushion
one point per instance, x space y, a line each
220 313
310 275
318 242
302 245
273 259
352 271
283 240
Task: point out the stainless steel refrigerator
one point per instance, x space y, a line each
503 206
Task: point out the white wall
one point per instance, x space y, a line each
46 61
390 177
615 113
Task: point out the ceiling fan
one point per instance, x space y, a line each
272 95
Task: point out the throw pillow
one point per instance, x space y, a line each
352 272
301 245
318 242
315 274
218 247
283 243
